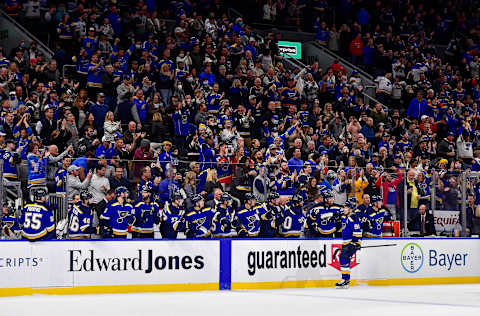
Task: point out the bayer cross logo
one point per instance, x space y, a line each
412 258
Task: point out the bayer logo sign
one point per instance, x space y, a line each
412 257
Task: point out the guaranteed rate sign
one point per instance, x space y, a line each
290 49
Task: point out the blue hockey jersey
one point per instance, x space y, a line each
325 220
375 227
221 222
172 220
199 223
80 222
268 215
351 229
118 216
10 160
61 180
146 215
37 170
11 222
292 222
37 222
248 222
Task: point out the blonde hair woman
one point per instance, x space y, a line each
189 186
211 183
110 126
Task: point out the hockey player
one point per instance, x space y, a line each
10 229
292 221
117 216
221 222
375 218
246 220
173 217
351 234
199 219
329 214
311 229
37 219
80 218
146 213
268 212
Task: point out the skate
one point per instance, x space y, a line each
344 284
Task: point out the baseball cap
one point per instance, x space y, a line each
73 168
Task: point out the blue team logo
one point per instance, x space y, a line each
412 257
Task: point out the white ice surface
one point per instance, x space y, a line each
436 300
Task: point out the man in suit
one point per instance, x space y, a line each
423 222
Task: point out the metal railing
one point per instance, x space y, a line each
16 32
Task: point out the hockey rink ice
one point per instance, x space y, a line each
358 300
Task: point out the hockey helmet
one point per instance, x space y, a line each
196 198
250 196
225 197
273 196
176 196
297 199
85 195
39 193
120 190
351 204
327 194
146 188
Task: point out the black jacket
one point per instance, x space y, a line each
415 223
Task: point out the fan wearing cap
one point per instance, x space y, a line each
90 43
10 229
199 219
290 95
447 148
74 184
37 220
117 216
146 212
106 149
80 218
403 143
291 222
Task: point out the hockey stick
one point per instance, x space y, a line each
374 246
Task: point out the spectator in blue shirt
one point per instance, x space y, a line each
417 106
99 111
296 163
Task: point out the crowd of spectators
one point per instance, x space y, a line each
208 106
